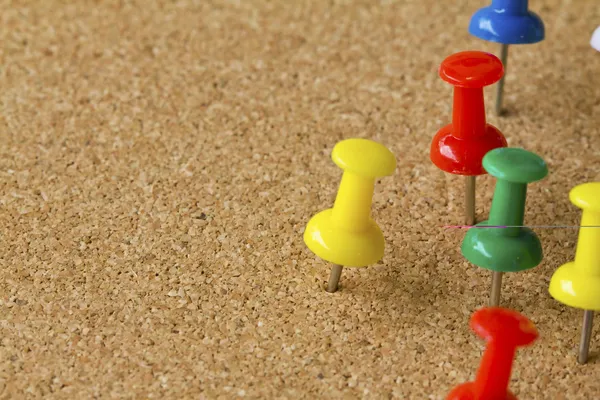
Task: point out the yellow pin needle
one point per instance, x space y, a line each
346 235
577 283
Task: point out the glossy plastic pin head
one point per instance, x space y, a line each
507 22
595 42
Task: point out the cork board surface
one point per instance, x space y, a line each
160 160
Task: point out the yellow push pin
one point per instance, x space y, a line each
346 235
577 284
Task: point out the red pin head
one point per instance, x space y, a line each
458 148
504 330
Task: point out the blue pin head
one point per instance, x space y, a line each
507 22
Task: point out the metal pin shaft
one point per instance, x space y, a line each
334 278
470 200
496 286
500 87
586 335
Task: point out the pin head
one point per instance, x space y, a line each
595 42
471 69
510 327
515 165
507 22
586 196
364 157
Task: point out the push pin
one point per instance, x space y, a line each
346 235
501 244
505 331
507 22
595 42
577 284
459 147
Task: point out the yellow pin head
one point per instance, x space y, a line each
586 196
364 157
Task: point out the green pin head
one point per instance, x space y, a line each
515 165
513 248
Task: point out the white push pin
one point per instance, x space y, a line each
595 42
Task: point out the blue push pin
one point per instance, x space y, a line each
506 22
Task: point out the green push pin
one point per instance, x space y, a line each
502 244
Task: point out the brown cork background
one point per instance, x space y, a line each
160 160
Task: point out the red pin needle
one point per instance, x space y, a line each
504 330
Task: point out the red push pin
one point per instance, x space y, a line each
504 330
458 148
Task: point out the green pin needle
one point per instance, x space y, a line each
515 248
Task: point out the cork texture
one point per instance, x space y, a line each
160 160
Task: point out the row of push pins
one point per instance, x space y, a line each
469 146
576 284
346 235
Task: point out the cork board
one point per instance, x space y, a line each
160 159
